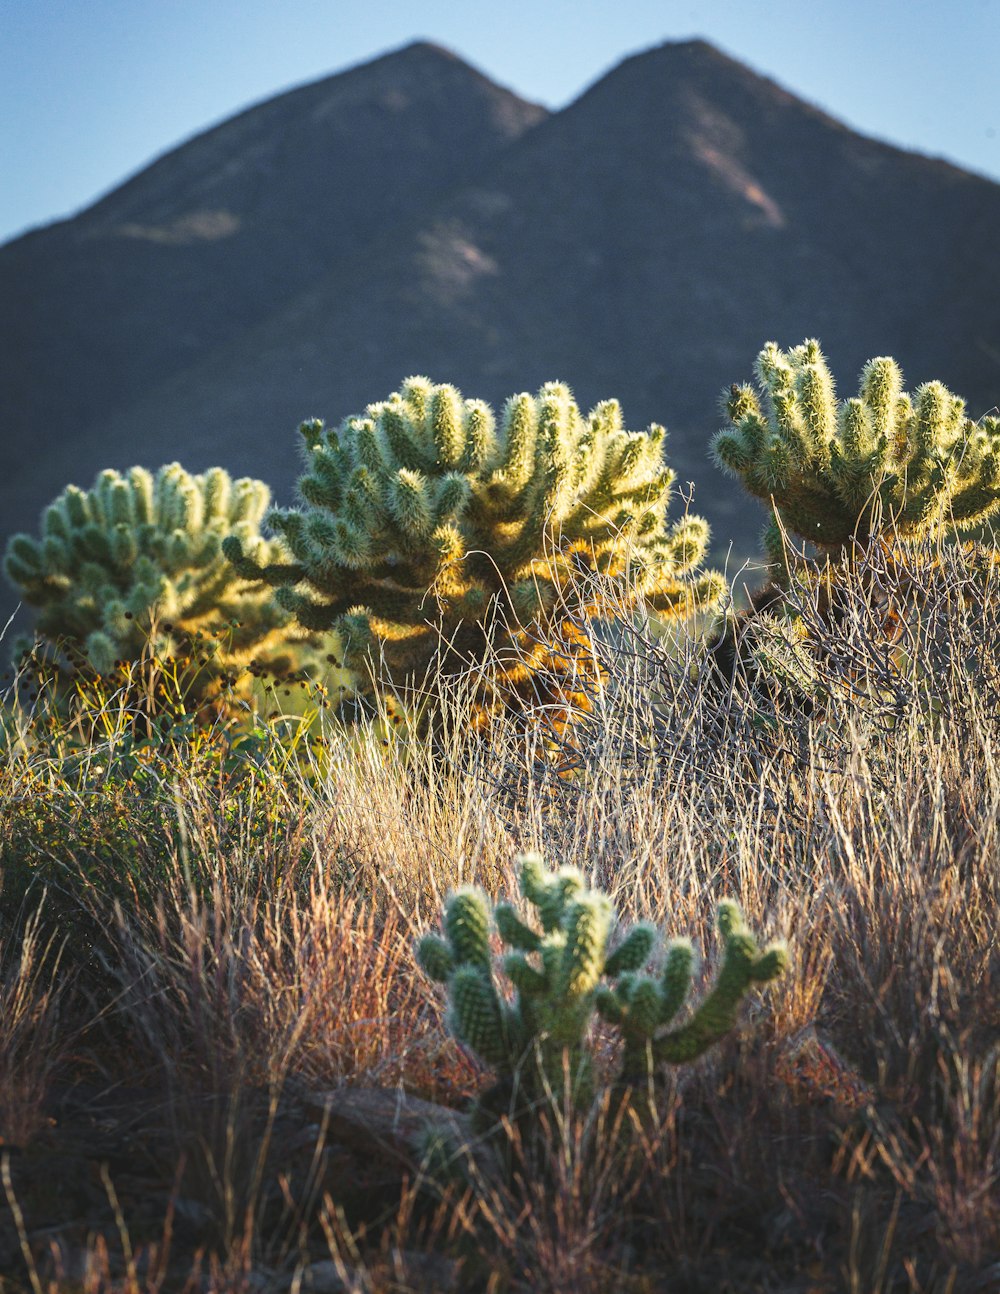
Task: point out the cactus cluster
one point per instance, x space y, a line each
135 563
431 535
562 971
437 544
881 463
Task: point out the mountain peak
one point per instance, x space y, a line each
694 48
411 215
420 98
431 49
695 59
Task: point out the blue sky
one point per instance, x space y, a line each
92 90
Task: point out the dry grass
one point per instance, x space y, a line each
250 926
34 1037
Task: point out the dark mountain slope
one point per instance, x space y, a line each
220 233
684 211
643 243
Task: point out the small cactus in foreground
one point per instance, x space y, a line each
881 463
561 970
135 563
430 535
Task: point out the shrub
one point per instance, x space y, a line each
135 566
432 539
882 463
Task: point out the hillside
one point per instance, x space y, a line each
410 216
220 234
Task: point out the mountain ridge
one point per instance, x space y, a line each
642 242
389 58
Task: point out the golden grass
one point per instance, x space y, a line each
34 1040
244 924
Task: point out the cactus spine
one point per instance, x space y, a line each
428 534
881 463
140 555
560 970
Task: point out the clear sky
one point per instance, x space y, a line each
92 90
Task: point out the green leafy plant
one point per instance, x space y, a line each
431 536
562 971
881 465
134 567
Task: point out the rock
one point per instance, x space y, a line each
388 1123
325 1277
423 1273
428 1273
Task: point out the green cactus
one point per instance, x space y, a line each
430 535
773 653
560 973
883 464
136 563
643 1006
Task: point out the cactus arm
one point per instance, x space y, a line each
587 922
435 957
467 924
742 966
633 952
477 1016
675 981
513 930
527 979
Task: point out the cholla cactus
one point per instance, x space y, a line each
138 555
430 534
560 971
772 652
881 463
643 1006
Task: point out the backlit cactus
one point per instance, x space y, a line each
431 535
135 563
881 463
560 970
643 1007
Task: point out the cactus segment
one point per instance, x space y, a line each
467 923
436 958
634 950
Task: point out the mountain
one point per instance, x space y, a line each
410 216
220 234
